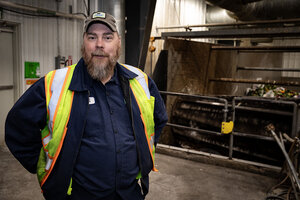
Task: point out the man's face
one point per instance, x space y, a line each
100 51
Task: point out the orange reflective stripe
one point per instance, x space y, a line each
59 147
51 80
46 86
50 155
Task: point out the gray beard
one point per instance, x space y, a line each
99 70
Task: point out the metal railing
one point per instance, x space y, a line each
214 101
236 107
222 102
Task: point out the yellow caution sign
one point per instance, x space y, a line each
227 127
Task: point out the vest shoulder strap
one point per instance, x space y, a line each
142 78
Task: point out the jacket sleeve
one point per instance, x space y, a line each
23 126
160 114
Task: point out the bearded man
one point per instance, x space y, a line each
89 130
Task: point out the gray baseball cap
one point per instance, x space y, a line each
101 17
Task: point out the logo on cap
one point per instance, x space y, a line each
98 15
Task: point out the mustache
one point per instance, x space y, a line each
99 53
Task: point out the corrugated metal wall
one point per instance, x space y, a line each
291 60
43 38
191 12
171 13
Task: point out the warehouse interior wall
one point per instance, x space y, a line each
174 12
190 12
290 59
44 38
38 39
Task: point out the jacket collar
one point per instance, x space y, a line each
125 72
81 80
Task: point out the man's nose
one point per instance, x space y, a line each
99 43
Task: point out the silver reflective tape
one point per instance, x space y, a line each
56 88
48 162
151 143
47 139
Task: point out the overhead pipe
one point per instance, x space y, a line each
218 15
39 10
236 24
264 9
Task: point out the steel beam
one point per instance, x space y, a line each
238 33
268 69
236 24
146 37
233 80
258 48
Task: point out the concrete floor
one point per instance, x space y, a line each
177 179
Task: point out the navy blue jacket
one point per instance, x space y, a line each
28 117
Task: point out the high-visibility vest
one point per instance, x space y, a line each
140 89
59 103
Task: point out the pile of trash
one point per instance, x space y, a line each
263 90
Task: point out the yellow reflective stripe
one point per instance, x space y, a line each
146 109
69 192
48 82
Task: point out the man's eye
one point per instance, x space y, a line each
108 37
91 37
